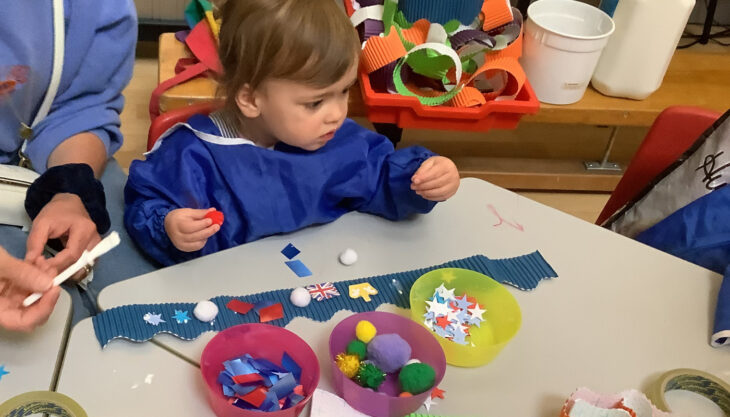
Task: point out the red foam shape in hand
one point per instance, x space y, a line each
216 216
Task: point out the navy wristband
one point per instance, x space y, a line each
75 179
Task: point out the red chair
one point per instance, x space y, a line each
168 119
671 134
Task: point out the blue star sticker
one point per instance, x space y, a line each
181 317
462 302
153 319
438 298
459 337
3 371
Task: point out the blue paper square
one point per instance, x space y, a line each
290 251
299 268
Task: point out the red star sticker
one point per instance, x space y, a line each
472 300
437 393
442 322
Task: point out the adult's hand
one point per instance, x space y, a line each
64 218
18 279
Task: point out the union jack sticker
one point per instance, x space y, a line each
324 291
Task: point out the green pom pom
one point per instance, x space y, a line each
358 348
370 376
416 378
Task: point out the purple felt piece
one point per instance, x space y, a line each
368 28
366 3
182 35
460 39
389 352
382 79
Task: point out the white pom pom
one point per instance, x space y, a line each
205 311
300 297
413 361
348 257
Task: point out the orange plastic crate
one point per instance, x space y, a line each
407 111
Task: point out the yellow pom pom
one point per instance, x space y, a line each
365 331
348 364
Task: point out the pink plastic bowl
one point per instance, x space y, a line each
260 341
385 402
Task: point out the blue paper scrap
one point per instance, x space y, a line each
290 251
299 268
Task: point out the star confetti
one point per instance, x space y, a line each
3 371
437 393
181 317
450 316
153 319
321 292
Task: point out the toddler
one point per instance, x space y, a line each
280 155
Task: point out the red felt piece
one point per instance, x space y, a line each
272 312
239 306
255 397
247 379
216 216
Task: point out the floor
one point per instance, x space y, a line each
135 123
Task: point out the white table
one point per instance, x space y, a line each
619 315
126 377
32 358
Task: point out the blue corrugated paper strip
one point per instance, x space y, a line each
523 272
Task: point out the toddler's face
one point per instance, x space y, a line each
302 116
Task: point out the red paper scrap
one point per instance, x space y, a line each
239 306
255 397
299 390
272 312
437 393
247 378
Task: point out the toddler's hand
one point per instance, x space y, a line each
437 179
189 229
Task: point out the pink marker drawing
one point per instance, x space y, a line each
503 221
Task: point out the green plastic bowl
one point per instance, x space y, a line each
502 318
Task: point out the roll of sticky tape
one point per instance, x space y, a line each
37 402
702 383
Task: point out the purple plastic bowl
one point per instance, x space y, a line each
385 402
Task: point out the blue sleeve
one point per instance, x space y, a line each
389 178
171 177
99 58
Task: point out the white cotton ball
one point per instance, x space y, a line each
412 361
348 257
205 310
300 297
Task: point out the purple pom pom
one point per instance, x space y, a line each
389 352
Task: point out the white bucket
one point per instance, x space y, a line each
562 44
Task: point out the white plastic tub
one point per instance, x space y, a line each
563 41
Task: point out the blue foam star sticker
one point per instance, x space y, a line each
3 371
153 319
181 317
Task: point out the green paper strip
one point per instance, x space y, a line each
389 9
428 101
